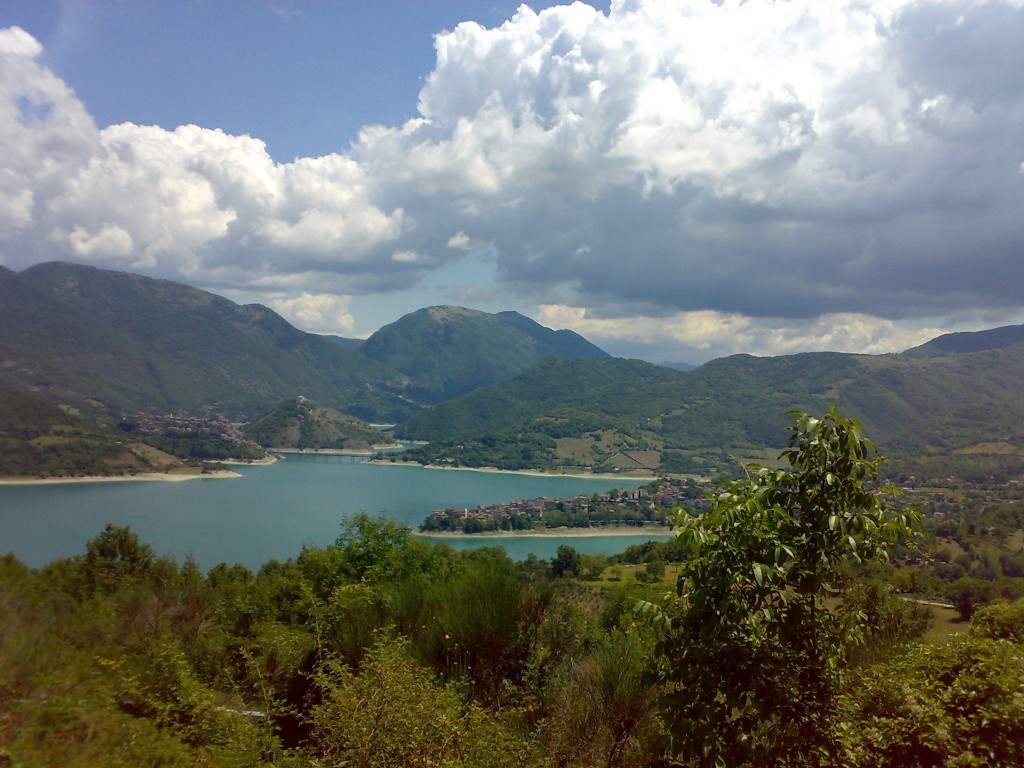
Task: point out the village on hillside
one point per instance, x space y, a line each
649 506
170 425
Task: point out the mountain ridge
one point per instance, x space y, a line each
429 345
115 342
948 407
970 341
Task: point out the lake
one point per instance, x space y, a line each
272 511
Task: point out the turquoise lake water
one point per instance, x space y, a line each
272 511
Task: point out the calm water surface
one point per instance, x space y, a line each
272 511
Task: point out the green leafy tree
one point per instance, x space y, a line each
751 657
602 709
481 625
114 557
968 594
883 623
370 549
566 561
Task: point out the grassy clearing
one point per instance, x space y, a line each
579 450
647 459
767 457
945 622
626 461
154 456
990 449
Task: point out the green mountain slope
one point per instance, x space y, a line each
203 352
55 350
300 423
596 388
116 342
564 343
579 413
978 341
449 351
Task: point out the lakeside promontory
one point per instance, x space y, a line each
640 509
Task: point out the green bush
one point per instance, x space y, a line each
394 713
1000 622
955 704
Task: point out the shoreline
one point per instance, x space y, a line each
267 460
526 472
336 451
141 477
551 533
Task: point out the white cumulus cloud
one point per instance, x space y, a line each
698 335
191 203
733 165
317 313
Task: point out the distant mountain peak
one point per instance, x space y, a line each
444 312
447 350
969 341
129 342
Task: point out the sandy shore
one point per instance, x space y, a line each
528 472
335 451
269 459
555 533
141 477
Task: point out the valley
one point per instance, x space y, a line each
480 390
604 466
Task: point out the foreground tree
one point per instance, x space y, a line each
750 656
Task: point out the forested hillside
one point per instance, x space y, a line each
115 343
110 344
449 351
958 411
40 440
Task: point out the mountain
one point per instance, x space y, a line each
345 342
564 343
114 342
499 388
300 423
449 351
603 388
678 366
51 348
959 408
978 341
121 342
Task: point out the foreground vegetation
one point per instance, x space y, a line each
383 651
778 646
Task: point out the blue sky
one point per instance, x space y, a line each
304 77
675 180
